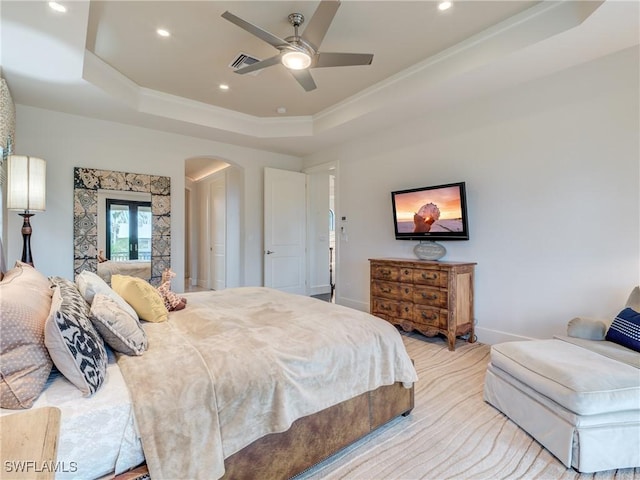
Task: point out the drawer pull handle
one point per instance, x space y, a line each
433 276
429 317
406 309
385 273
433 296
406 290
385 290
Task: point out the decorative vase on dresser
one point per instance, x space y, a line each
431 297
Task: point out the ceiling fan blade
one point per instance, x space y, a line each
271 39
320 22
342 59
267 62
305 79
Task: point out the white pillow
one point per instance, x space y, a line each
90 284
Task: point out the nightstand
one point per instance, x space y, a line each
29 443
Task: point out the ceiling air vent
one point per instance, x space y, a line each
244 60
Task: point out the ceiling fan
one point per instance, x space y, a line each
299 53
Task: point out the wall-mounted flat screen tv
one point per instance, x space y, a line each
433 213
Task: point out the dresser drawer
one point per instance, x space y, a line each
435 278
406 275
430 317
385 272
383 306
430 296
392 308
394 291
406 311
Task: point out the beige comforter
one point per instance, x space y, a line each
238 364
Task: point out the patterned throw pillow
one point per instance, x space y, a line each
118 328
76 349
625 329
25 301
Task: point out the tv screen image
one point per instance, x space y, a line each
436 212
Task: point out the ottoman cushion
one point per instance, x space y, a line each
580 380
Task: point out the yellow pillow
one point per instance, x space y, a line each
142 296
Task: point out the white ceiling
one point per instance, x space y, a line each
195 59
104 60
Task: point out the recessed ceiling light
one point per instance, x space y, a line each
163 33
57 7
446 5
223 86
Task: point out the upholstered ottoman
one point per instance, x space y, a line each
579 398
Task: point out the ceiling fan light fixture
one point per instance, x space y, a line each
296 60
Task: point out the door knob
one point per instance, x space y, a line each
269 252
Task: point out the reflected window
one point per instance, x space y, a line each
128 230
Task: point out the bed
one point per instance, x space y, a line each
251 382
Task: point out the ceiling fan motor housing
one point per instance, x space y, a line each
296 19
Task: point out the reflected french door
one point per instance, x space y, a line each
128 230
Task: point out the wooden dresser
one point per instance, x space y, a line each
432 297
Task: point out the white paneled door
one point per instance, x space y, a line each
285 230
218 234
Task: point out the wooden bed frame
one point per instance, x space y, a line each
313 438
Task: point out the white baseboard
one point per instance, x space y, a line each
484 335
355 304
319 290
491 337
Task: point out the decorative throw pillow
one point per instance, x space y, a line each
25 300
634 299
90 284
74 345
587 328
121 331
142 296
625 329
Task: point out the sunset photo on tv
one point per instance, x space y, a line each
438 210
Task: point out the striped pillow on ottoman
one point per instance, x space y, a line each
625 329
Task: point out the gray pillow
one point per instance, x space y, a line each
587 328
91 284
633 301
118 328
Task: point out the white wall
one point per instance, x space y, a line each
68 141
552 172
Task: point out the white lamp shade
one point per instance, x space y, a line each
26 183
